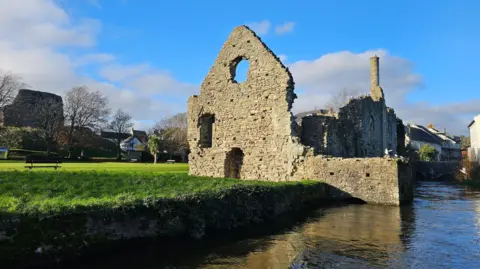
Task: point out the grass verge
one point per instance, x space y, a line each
46 192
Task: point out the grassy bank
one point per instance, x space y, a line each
50 191
48 216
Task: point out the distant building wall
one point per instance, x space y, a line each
474 151
23 111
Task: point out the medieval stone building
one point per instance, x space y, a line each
246 130
364 127
24 110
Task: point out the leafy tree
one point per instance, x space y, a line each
154 146
84 109
120 123
427 153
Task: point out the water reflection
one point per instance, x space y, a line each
440 230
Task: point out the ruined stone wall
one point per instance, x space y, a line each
23 111
375 180
391 130
374 124
328 135
252 116
366 116
246 130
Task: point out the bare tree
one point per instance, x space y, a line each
9 86
84 109
340 98
120 124
49 121
174 132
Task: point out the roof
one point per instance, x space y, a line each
140 135
420 133
471 123
114 135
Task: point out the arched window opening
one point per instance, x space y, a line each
233 163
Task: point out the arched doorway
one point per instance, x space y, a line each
233 163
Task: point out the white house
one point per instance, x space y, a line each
417 136
474 150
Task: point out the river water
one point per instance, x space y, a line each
441 229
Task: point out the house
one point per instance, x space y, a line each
136 146
448 147
474 150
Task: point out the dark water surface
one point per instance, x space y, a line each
441 229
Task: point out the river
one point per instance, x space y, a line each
441 229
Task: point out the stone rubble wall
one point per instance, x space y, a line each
254 118
23 111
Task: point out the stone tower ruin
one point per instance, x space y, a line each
246 130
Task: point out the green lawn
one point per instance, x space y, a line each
108 166
80 185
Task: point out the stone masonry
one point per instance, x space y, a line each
23 111
246 130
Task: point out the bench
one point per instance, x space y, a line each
33 161
171 161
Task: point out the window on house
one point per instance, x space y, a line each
206 130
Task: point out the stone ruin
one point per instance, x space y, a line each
23 111
246 130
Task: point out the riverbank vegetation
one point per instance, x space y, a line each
469 173
105 185
104 207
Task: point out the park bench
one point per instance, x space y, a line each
32 161
171 161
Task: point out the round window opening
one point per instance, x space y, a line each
239 70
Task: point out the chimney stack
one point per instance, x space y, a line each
376 91
374 72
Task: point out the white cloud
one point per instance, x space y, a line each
94 58
30 24
33 38
260 28
285 28
319 79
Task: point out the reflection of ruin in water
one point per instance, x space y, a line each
356 233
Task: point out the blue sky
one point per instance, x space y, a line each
161 50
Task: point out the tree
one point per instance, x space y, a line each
340 98
173 132
427 153
9 86
49 121
154 146
84 109
464 141
120 124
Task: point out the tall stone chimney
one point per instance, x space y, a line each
376 91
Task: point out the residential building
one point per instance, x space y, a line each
134 144
448 147
474 150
